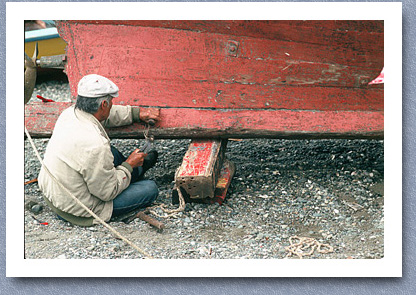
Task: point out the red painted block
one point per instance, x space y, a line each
221 188
224 181
198 174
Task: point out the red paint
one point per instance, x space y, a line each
282 120
317 32
236 96
224 181
136 64
44 99
379 79
200 168
234 78
197 158
169 55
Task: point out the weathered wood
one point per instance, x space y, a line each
201 167
290 79
224 181
136 67
237 96
205 123
317 32
177 55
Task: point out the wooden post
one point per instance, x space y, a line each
200 168
205 174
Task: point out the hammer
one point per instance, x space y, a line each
143 216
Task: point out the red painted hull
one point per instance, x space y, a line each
233 78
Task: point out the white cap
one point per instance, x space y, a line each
96 86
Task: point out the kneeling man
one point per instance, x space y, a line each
80 157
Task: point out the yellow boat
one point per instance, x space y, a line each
48 39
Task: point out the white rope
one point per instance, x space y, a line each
82 205
299 246
169 212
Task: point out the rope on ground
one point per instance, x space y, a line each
169 212
304 246
82 205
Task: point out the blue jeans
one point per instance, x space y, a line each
140 193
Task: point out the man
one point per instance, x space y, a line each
80 157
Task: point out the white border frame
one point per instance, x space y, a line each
390 265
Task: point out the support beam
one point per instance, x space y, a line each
201 167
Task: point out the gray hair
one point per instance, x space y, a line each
89 104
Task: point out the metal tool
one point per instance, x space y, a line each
148 145
142 215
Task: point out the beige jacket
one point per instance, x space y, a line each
79 156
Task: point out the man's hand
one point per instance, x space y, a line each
136 158
149 114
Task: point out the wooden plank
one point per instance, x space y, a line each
239 96
40 119
132 55
306 31
136 63
340 49
289 79
193 71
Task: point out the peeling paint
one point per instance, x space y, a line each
309 84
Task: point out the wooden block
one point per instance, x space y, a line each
224 181
221 188
200 169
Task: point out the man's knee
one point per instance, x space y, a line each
152 189
149 190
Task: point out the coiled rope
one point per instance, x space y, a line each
304 246
169 212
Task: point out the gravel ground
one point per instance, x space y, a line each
328 190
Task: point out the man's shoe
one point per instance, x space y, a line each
150 160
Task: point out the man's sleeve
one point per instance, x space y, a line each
103 179
122 116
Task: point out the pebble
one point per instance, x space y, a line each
260 236
37 208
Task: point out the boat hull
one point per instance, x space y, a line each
282 79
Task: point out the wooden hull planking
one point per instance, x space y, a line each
282 79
